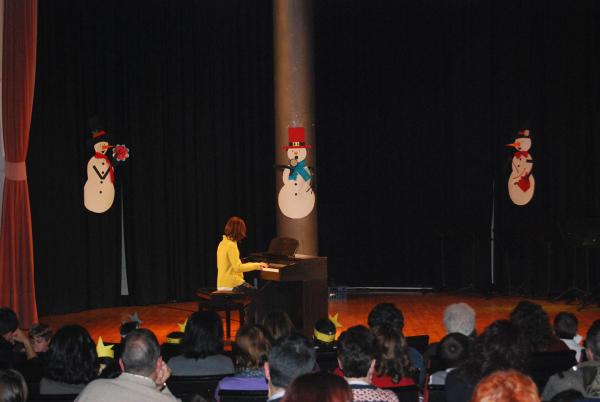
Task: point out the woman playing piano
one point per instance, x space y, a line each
230 275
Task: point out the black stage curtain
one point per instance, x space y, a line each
187 85
415 101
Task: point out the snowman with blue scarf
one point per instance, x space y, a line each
296 197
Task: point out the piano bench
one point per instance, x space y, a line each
210 299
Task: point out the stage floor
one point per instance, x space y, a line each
422 314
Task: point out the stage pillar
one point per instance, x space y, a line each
292 25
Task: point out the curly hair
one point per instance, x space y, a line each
318 387
534 324
71 356
499 347
252 347
392 358
203 335
506 386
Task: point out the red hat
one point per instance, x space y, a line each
296 138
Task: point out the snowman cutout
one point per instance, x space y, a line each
521 183
296 197
99 189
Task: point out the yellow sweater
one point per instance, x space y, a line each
230 268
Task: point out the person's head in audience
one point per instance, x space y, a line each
459 317
499 347
318 387
40 335
569 395
592 341
288 358
506 386
534 325
8 324
357 353
278 324
252 347
141 354
324 333
386 314
392 358
454 349
71 356
565 325
13 387
203 335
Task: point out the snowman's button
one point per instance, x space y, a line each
295 193
102 172
101 182
100 191
295 184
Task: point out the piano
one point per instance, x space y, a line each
294 283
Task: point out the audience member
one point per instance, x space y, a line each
357 353
565 327
202 347
393 367
585 377
534 325
15 345
40 335
278 325
569 395
506 386
289 358
499 347
389 314
13 387
459 317
324 335
318 387
251 349
71 361
144 374
453 351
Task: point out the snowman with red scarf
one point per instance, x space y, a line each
521 184
296 198
99 189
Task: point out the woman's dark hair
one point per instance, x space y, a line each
565 325
392 357
356 351
534 324
499 347
8 321
235 229
71 356
278 324
454 349
252 347
569 395
13 387
203 335
386 314
318 387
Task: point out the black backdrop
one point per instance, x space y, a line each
414 103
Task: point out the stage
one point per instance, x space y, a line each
422 313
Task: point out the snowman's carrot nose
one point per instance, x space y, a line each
107 146
514 144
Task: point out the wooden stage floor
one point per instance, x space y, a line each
422 314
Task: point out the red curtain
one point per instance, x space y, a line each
17 288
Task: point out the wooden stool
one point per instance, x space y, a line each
210 299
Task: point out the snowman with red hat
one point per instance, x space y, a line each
521 184
296 197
